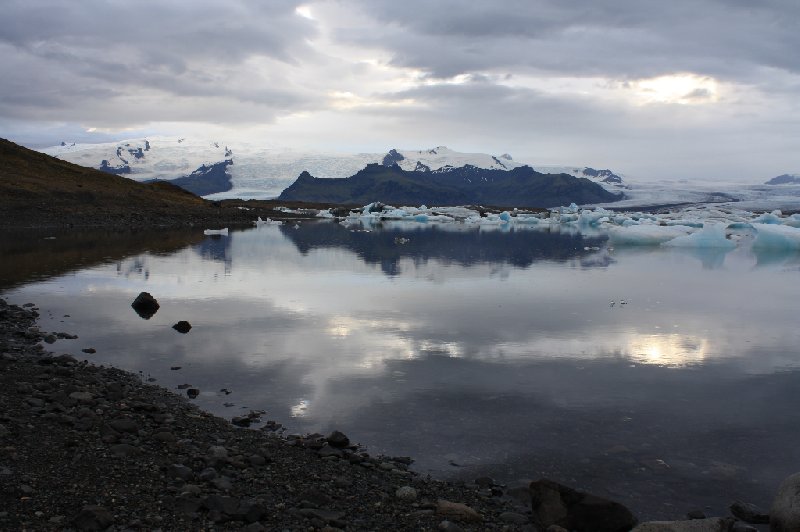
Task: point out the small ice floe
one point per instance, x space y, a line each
216 231
268 221
401 240
612 303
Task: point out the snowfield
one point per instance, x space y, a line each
261 171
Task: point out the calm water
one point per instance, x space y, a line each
475 351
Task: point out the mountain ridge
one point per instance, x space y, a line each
519 187
261 172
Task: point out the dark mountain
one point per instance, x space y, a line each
519 187
606 176
121 169
785 179
208 179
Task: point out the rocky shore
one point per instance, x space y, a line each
93 448
87 447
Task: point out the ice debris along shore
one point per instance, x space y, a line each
704 226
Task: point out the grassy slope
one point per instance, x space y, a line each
37 190
32 180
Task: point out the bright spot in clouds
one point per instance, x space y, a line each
304 11
677 88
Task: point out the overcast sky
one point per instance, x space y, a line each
682 89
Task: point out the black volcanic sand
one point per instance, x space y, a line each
90 448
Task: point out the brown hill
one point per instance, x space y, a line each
37 190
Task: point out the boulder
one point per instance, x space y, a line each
457 511
749 513
338 439
145 305
784 515
93 518
555 504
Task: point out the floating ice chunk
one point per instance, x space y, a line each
325 213
740 225
526 219
505 216
645 235
769 218
593 218
710 236
687 223
781 237
216 231
422 218
793 220
268 221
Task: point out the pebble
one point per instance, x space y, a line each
457 511
406 493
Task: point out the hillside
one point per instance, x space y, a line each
37 190
519 187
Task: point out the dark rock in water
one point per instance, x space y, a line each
192 393
338 439
241 421
555 504
89 350
182 327
93 518
328 450
145 305
749 513
785 511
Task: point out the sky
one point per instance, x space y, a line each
679 89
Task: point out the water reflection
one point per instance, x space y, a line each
450 244
495 350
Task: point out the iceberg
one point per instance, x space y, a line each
645 234
710 236
776 237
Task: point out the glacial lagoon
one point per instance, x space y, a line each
667 378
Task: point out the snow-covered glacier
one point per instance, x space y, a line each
263 171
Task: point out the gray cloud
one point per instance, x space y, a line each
59 56
137 65
623 38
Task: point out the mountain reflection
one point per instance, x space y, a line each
461 245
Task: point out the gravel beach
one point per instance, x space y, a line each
88 447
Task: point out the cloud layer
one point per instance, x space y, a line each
681 89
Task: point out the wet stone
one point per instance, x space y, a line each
93 518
